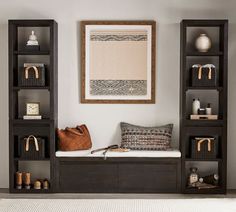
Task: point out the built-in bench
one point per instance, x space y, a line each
134 171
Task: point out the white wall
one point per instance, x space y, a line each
103 119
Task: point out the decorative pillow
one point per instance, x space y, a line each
146 138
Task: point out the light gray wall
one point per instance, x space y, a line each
103 120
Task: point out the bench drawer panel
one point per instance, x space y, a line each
83 177
148 178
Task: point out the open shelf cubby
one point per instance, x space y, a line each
40 166
217 31
206 168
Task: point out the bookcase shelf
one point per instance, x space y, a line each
205 88
202 54
24 52
203 159
218 55
31 88
18 127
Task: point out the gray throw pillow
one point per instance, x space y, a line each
146 138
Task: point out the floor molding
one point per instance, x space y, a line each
4 194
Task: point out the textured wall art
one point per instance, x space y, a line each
118 61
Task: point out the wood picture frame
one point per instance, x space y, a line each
118 62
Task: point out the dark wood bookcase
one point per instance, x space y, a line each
217 30
46 31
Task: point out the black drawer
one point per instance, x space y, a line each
148 178
85 177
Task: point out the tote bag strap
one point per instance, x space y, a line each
36 72
36 144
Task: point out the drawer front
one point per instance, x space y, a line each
84 177
149 178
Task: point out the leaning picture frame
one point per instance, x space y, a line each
118 62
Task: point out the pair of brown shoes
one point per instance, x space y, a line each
22 179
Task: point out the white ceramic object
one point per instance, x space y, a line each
196 106
32 40
203 43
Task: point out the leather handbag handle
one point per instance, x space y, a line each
200 72
201 141
75 131
209 73
36 72
36 144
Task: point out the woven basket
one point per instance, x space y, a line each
32 76
32 148
204 76
204 147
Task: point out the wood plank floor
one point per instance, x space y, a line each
4 194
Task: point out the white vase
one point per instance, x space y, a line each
195 106
203 43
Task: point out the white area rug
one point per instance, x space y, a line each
118 205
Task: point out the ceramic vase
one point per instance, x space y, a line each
203 43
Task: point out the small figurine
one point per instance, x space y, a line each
32 43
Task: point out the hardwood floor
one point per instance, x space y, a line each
4 194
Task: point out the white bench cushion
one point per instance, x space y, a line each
132 153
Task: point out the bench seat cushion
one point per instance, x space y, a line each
133 153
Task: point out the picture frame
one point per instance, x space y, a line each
118 62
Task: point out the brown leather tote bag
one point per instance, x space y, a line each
71 139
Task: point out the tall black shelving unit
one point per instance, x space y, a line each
218 54
18 127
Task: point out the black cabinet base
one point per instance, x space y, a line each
119 175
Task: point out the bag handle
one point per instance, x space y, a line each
209 73
208 144
36 144
36 72
75 131
200 72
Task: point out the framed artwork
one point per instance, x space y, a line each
118 61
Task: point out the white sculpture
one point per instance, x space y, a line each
32 40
